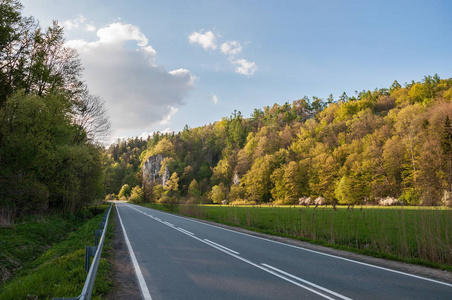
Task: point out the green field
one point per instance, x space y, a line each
414 234
46 257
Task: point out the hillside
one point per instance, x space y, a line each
387 146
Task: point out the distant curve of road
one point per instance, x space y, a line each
180 258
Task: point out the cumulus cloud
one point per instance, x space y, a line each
244 67
120 67
215 99
231 48
77 23
206 40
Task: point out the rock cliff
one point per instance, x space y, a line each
151 169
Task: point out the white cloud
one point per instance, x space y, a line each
244 67
206 40
231 48
138 93
215 99
117 33
77 23
90 28
171 113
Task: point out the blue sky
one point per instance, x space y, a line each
162 64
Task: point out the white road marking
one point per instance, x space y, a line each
235 252
307 282
168 223
144 288
185 231
266 269
320 253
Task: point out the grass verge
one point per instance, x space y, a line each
59 271
415 235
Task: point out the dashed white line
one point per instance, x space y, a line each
168 223
263 267
235 252
307 282
185 231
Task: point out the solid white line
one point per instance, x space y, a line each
318 252
222 247
144 289
308 282
235 254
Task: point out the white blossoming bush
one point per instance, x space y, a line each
319 201
305 201
388 201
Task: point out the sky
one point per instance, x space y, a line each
161 65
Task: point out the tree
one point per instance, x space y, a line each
125 191
172 186
193 189
91 115
46 157
218 193
257 181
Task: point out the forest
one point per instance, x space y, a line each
390 146
50 125
387 146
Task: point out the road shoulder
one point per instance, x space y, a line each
125 283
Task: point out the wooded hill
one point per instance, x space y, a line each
387 146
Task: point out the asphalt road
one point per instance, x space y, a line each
180 258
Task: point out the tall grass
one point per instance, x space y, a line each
417 234
59 271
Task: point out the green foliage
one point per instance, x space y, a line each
410 196
193 189
218 193
135 195
58 272
172 186
49 122
125 191
237 193
374 145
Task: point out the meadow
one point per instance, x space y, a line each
421 235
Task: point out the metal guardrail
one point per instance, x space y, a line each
96 252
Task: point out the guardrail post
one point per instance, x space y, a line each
90 251
97 235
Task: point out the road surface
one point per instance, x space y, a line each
180 258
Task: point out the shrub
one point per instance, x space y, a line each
305 201
135 195
319 201
124 192
388 201
410 197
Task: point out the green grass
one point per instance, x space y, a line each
413 234
59 271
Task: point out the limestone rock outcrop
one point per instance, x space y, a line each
151 170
